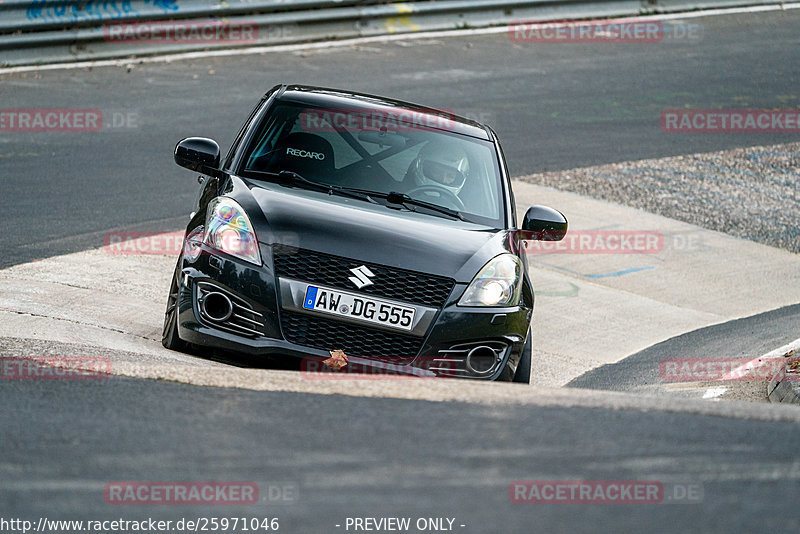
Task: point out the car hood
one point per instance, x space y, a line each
370 233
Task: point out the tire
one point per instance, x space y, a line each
523 374
169 335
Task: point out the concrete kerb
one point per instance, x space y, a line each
785 385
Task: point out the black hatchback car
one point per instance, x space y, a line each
348 222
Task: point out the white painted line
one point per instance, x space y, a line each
343 43
714 393
747 368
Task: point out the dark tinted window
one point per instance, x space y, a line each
385 151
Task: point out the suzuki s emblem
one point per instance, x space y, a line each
362 276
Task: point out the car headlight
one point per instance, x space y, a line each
499 283
229 230
192 245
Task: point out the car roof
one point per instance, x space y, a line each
340 99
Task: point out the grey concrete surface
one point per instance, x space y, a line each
614 304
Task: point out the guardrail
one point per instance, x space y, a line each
51 31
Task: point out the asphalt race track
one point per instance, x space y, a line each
323 453
357 457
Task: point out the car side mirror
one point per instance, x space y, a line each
198 154
544 224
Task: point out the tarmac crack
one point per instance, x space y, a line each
80 323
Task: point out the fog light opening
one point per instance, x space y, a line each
217 307
481 360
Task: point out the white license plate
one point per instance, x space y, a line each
358 307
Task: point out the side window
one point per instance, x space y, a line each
235 147
265 143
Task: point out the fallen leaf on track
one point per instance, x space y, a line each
337 361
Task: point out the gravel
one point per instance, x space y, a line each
752 193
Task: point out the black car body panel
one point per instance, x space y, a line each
440 247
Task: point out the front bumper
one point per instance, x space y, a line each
452 341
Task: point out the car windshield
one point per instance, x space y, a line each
383 151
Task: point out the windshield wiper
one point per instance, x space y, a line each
404 200
293 178
401 199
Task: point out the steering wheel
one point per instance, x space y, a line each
441 192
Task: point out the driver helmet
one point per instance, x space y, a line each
442 164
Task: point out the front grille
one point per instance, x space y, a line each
325 334
334 271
